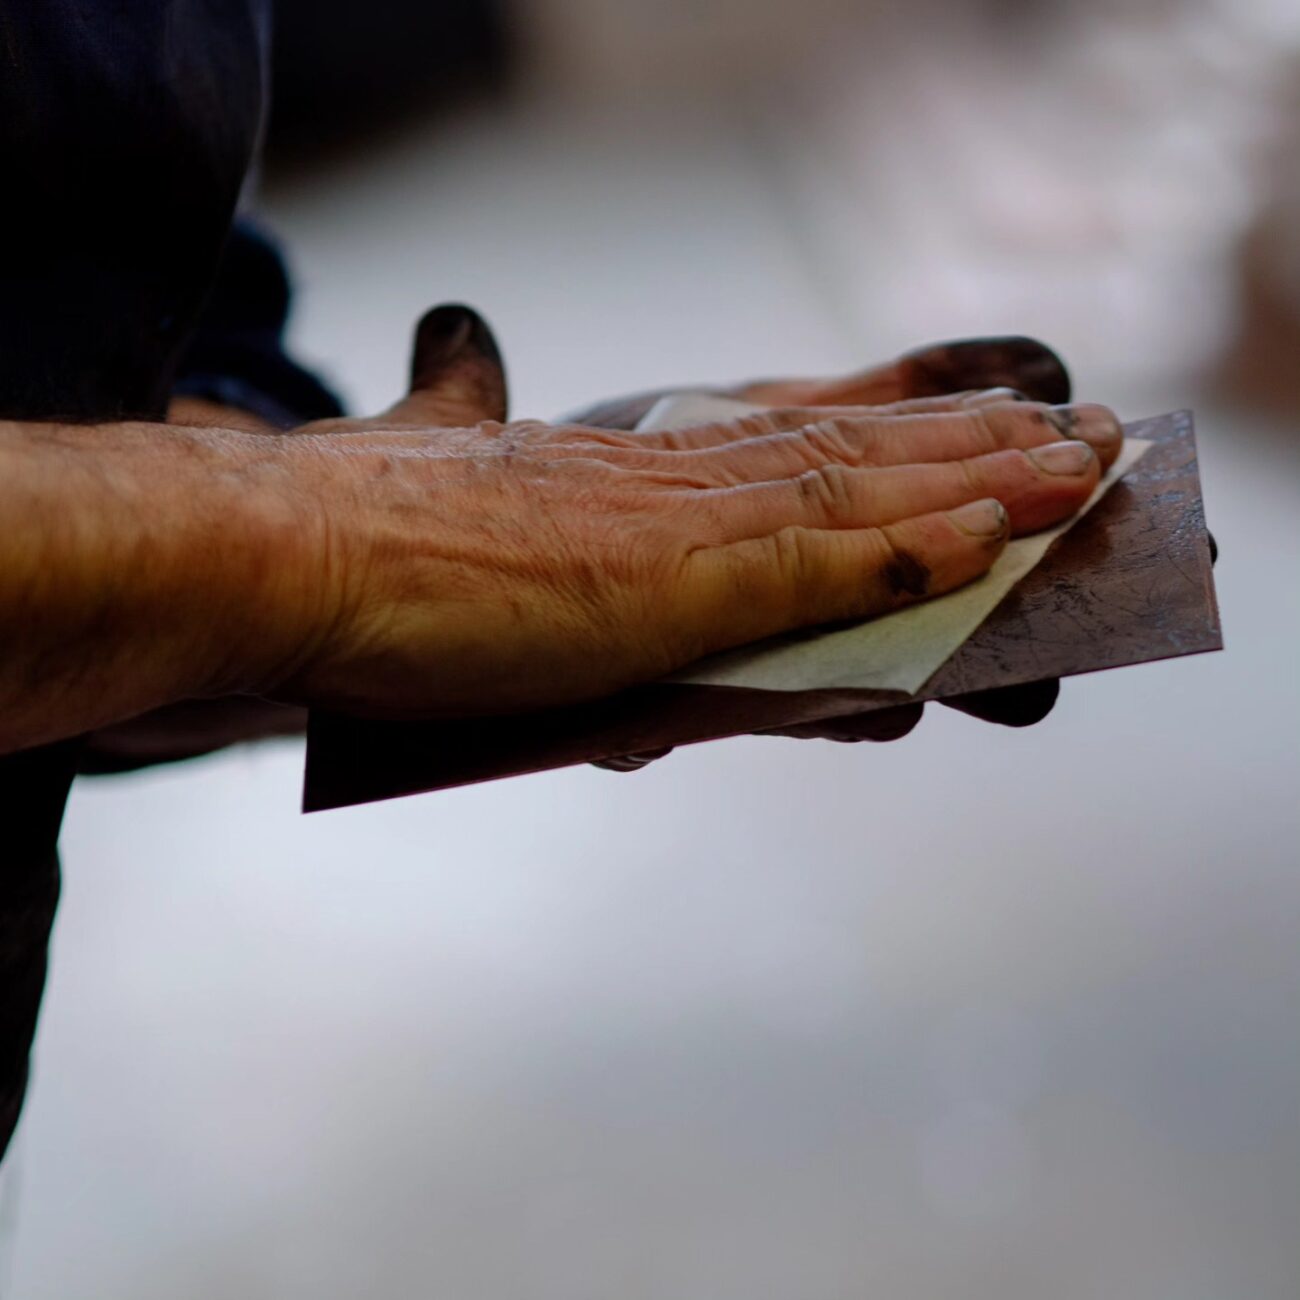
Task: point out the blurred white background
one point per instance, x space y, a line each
985 1015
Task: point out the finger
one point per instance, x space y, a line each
865 436
788 416
1016 362
1038 488
801 577
625 413
1010 706
862 443
632 762
881 725
457 375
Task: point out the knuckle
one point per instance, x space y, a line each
1027 418
972 481
528 429
757 424
682 439
514 431
827 491
759 587
985 423
789 569
592 438
831 440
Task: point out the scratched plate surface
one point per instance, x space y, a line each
1129 584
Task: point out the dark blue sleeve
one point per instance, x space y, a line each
126 131
238 356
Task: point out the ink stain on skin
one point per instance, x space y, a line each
906 574
1065 421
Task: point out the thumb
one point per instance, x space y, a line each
457 376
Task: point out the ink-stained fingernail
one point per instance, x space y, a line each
1071 458
1098 425
981 518
447 333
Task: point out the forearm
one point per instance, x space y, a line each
142 564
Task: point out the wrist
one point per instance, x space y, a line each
146 564
257 557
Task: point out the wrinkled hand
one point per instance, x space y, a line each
1022 366
475 565
501 567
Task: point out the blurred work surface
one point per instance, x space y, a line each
982 1015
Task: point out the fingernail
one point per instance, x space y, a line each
1015 362
1064 458
446 333
981 518
1095 424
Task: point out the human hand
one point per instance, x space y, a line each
436 561
501 567
1020 366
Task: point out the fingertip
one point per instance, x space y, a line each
1092 423
632 762
986 519
440 336
456 362
1011 361
1068 460
887 724
446 334
1010 706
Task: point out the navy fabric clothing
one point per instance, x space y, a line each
237 357
127 128
126 131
